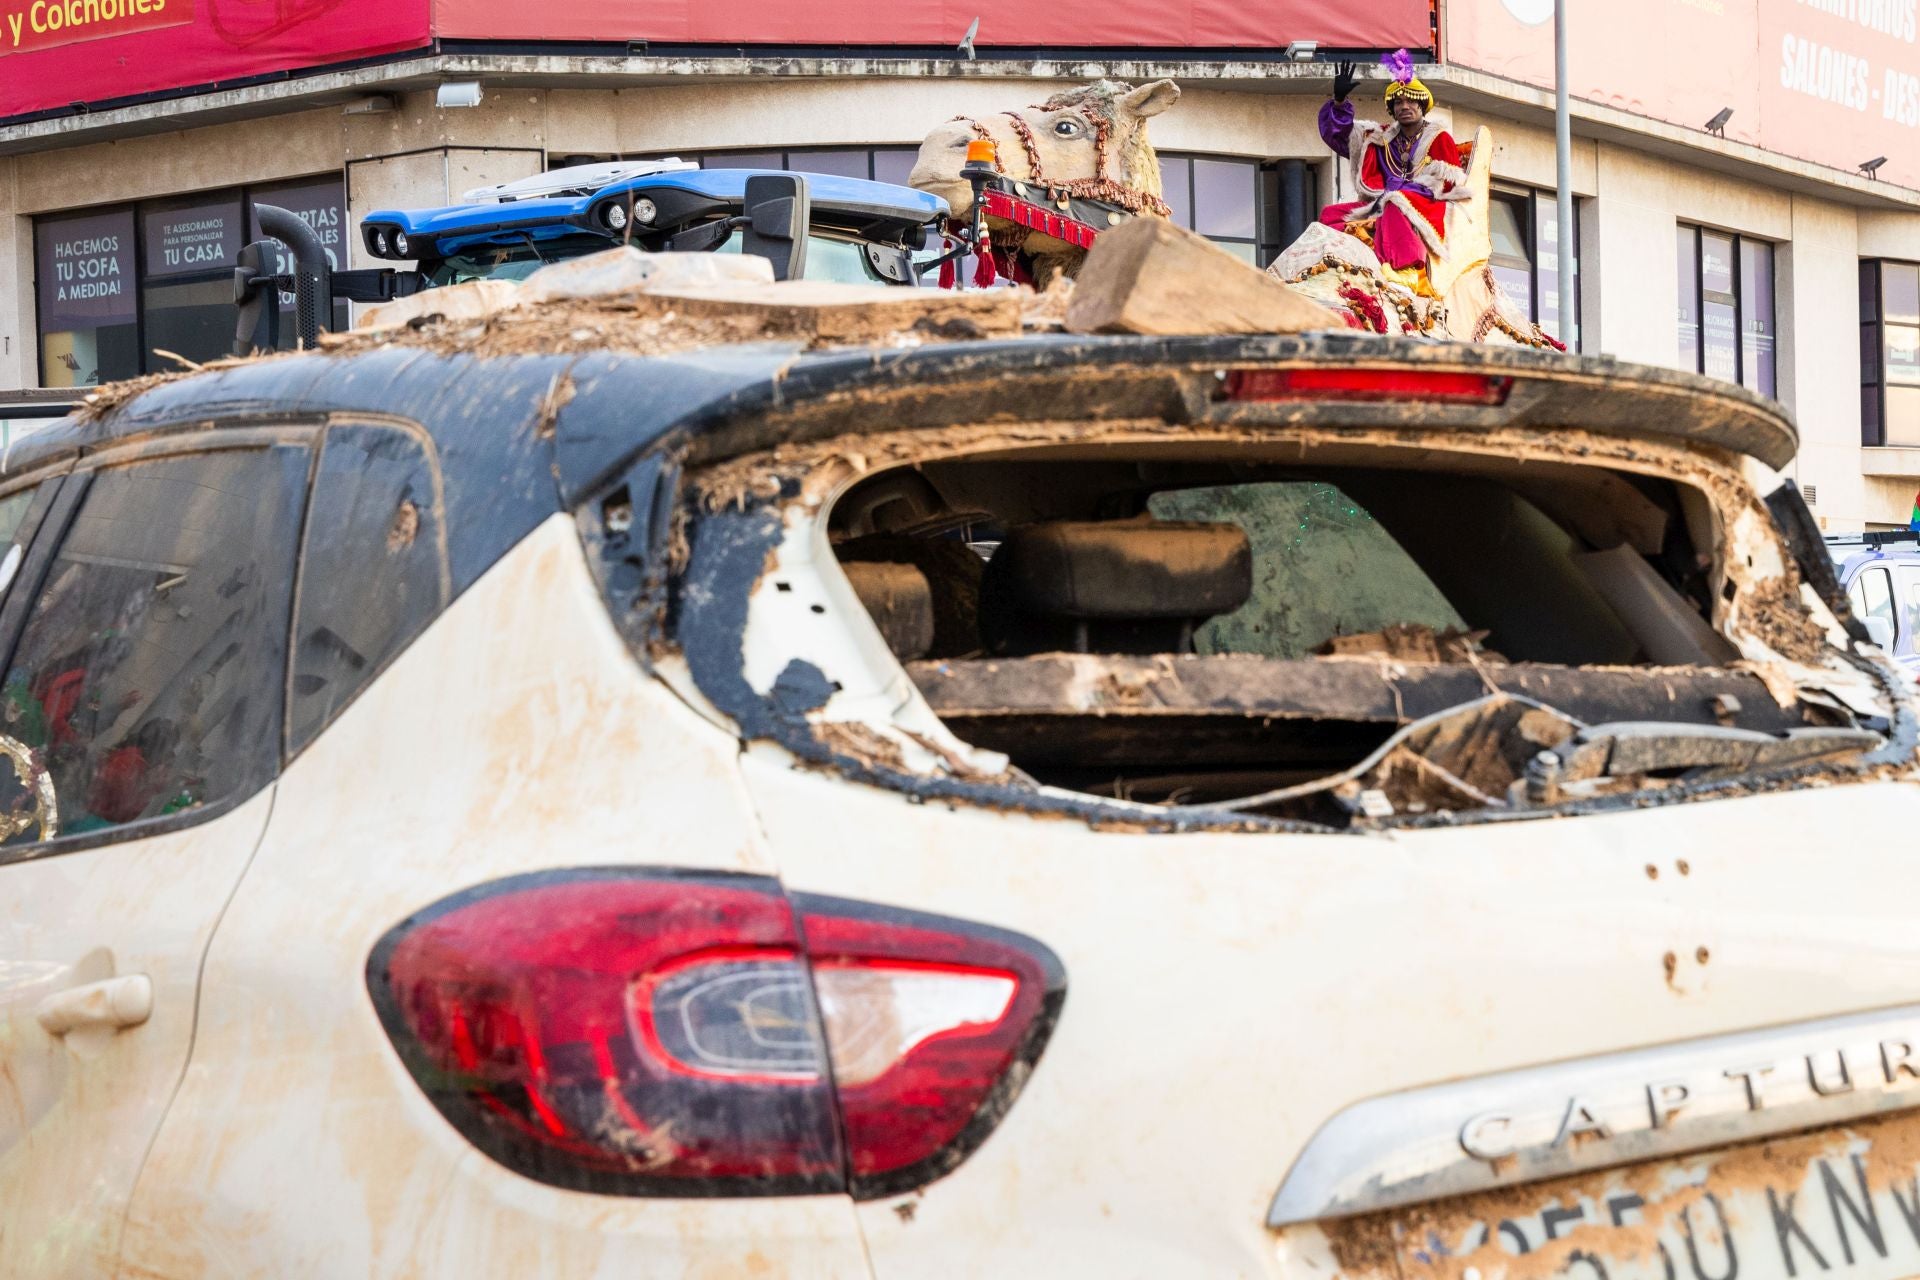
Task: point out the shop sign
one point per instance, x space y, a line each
55 53
85 272
193 240
1014 24
44 24
1832 81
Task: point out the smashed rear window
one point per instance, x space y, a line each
1380 634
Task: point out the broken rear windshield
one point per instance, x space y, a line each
1388 635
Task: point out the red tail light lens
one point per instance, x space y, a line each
646 1033
1366 385
931 1025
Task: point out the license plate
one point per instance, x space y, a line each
1834 1203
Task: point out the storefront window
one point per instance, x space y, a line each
119 291
1220 197
84 287
1526 256
1756 319
186 295
1687 271
1890 353
1226 199
1726 322
322 205
877 164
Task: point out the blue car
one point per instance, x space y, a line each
1881 574
855 231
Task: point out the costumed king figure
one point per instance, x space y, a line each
1404 172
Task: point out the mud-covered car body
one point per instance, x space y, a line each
1095 935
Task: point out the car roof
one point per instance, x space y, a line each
720 401
1848 557
830 193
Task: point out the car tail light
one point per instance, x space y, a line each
653 1033
1366 385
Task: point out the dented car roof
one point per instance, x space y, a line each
731 399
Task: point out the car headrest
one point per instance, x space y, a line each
1125 569
901 602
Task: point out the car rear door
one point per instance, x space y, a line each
141 704
1234 1000
1228 996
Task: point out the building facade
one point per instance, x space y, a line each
1734 255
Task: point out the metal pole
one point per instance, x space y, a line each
1563 166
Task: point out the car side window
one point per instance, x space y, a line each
1907 580
147 678
20 514
1876 594
374 571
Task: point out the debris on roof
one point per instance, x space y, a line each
1149 276
647 304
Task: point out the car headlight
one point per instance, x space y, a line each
615 217
400 245
645 211
381 246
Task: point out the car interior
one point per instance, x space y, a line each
1364 630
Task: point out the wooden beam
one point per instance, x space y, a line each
1132 703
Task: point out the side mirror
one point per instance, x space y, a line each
1880 631
256 293
778 214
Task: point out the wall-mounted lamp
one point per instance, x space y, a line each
1872 167
1718 125
458 93
1302 50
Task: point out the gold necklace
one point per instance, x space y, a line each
1387 152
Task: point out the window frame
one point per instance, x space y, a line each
245 193
1906 603
793 158
430 453
1264 195
75 477
1530 223
1264 241
1874 327
1737 299
1893 601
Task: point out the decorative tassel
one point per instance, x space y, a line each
984 271
947 276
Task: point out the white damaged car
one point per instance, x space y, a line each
1108 806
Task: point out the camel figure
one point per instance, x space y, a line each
1080 145
1086 153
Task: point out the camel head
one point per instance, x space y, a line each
1090 141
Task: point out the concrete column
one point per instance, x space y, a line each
19 364
1629 281
1817 320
